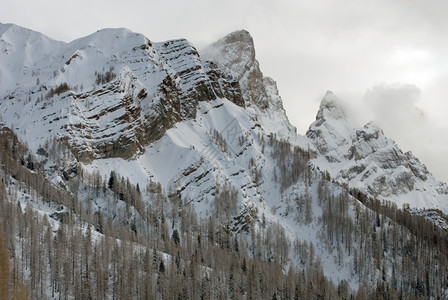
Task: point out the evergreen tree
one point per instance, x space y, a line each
4 269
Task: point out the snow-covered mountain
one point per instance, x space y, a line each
365 161
208 130
108 94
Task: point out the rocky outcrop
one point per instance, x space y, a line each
106 122
195 80
235 55
146 116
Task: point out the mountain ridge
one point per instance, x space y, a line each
160 84
144 133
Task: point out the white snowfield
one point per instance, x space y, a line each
190 158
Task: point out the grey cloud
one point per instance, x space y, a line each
395 108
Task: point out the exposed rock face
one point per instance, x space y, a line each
121 96
235 55
367 161
195 80
143 120
158 85
110 122
154 86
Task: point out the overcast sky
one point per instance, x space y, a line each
387 59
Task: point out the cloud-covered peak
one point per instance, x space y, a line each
235 51
239 36
331 108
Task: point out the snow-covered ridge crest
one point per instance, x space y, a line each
20 50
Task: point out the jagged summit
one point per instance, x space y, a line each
235 55
365 160
236 52
331 107
124 92
331 132
241 35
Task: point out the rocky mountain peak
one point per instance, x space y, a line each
114 92
331 108
124 129
234 54
365 160
242 36
331 132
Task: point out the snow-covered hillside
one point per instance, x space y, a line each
199 125
108 94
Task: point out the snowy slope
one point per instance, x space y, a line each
197 123
21 50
